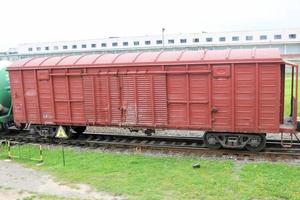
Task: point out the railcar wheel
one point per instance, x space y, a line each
5 128
211 141
20 127
256 143
79 129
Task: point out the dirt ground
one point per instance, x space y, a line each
19 182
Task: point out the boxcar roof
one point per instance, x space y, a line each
162 57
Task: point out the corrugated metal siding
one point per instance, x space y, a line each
269 96
30 94
129 100
144 101
44 86
115 100
62 113
76 97
222 98
88 96
245 97
16 86
199 97
125 99
102 99
188 98
160 100
177 97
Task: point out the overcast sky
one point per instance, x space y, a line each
56 20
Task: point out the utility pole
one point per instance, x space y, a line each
163 36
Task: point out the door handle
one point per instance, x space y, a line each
214 110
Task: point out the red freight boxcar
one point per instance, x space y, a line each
236 96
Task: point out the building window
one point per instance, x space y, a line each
103 45
182 40
47 48
65 47
55 47
74 46
158 41
263 37
38 48
209 39
196 40
249 37
30 49
114 44
136 43
277 37
125 43
235 38
222 39
93 45
171 41
147 42
292 36
83 46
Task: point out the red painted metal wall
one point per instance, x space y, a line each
229 90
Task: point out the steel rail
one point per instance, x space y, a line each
190 145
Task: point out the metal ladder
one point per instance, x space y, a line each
290 143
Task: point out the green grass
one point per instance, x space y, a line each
287 98
149 177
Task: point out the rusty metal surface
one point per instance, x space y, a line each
226 90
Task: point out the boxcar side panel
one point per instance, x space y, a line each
90 108
61 98
188 97
199 97
145 96
160 100
177 100
269 97
44 88
221 98
130 99
102 99
16 85
130 104
31 95
76 97
245 97
115 100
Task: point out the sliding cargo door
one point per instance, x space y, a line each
221 98
188 100
143 100
102 100
125 100
67 96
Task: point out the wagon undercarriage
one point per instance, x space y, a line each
252 142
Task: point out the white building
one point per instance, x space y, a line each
287 40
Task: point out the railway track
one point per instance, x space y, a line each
167 144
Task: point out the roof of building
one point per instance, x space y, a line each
162 57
